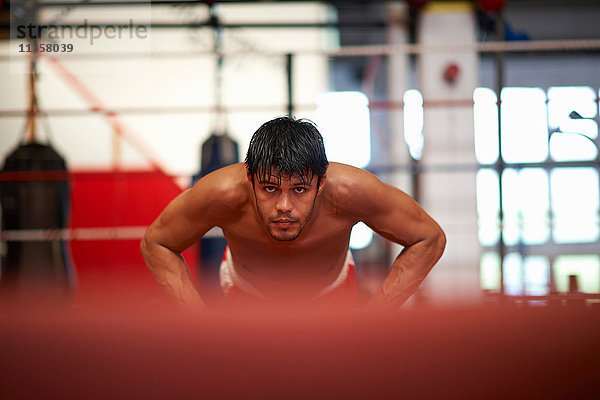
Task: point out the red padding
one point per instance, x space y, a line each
116 267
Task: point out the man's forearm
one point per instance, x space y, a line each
171 272
408 271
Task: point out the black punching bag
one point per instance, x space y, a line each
217 151
36 269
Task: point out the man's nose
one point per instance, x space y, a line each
284 205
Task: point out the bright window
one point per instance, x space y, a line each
489 273
361 236
573 132
585 267
413 123
488 206
524 125
564 100
485 119
344 121
571 147
525 275
575 201
548 207
525 200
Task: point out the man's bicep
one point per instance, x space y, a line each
397 216
183 222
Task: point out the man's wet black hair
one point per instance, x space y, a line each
287 146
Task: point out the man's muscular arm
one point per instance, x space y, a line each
397 217
183 222
161 248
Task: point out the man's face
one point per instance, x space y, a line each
285 205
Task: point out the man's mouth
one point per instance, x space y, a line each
284 222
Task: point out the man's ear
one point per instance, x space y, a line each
249 177
322 183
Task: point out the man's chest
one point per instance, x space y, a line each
320 247
250 231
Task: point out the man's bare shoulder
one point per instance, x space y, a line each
347 175
349 187
226 187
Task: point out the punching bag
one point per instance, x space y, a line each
217 151
37 269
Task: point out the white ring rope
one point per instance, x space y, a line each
492 47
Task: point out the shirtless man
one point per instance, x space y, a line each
287 214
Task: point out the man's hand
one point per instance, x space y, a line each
408 271
171 272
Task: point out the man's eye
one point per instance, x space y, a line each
300 190
270 189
